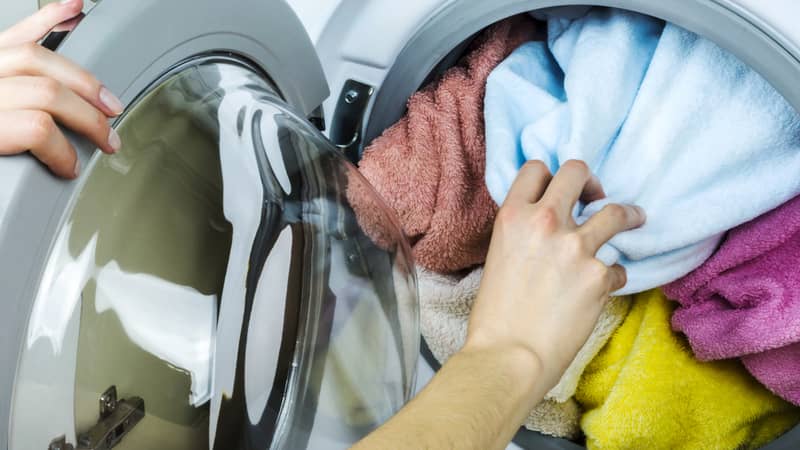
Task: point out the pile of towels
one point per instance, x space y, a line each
445 304
666 120
669 121
646 390
744 302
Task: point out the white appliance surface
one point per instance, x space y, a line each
340 31
314 14
778 17
12 11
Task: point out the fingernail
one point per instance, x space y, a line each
66 2
641 212
111 101
114 141
77 169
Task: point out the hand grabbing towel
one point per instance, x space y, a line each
666 120
445 305
429 166
646 390
745 300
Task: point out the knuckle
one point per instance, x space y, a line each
43 19
615 212
100 124
535 166
574 245
545 218
506 215
597 271
88 82
27 55
577 165
47 90
41 128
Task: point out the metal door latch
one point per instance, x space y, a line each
117 419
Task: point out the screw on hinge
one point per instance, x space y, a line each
351 96
60 443
108 402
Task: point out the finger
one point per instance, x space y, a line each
35 131
36 26
69 25
608 222
34 60
530 184
69 109
573 181
592 191
616 277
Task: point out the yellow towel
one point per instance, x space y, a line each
645 390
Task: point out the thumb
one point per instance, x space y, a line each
36 26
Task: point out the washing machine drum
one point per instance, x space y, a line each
226 280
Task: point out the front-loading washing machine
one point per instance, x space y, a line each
210 285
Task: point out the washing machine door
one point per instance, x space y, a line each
227 280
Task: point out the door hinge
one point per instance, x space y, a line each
348 118
117 418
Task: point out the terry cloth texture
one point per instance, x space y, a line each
429 166
445 305
666 120
645 390
745 300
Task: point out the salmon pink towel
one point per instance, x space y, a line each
429 166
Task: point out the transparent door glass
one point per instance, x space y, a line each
232 271
152 216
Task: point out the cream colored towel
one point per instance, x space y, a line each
445 305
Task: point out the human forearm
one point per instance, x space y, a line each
476 401
540 296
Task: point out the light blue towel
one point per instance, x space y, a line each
666 119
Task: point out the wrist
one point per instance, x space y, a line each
518 364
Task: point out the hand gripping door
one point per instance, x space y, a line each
127 45
216 270
211 285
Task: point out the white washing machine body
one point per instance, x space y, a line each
15 11
233 64
392 49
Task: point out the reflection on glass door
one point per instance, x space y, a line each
152 216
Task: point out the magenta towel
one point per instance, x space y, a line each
744 301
